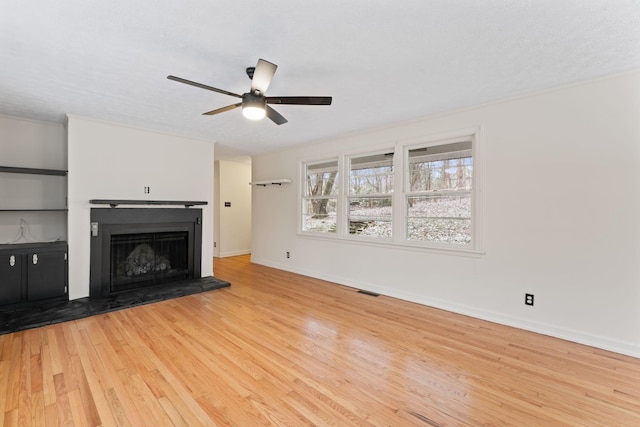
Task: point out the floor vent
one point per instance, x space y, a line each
373 294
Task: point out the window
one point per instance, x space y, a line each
370 193
423 194
438 193
320 196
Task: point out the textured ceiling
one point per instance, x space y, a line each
382 61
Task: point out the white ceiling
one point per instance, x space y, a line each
382 61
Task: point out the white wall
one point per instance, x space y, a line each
571 237
110 161
216 207
233 237
32 144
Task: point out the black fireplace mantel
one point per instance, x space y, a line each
115 202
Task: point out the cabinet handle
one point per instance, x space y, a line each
35 259
12 260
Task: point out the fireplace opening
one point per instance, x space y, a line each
144 259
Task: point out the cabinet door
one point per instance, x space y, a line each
46 275
10 277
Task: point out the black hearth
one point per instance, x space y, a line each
133 248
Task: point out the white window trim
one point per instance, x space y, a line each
302 171
398 239
473 134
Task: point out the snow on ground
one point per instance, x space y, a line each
439 220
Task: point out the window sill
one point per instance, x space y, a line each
473 253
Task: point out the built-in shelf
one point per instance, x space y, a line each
33 171
271 182
115 202
18 194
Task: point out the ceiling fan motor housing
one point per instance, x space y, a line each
253 100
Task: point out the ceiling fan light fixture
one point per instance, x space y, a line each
253 112
253 106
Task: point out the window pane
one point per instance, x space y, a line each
370 216
443 167
440 218
319 215
371 174
322 179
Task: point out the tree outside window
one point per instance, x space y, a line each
320 197
370 195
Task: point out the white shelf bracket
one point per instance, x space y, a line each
271 182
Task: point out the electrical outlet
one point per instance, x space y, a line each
528 299
288 254
214 244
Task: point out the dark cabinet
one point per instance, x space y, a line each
10 278
33 272
46 275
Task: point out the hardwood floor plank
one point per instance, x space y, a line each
118 412
281 349
5 346
37 409
51 415
62 401
89 409
48 385
94 392
54 351
78 413
10 418
24 384
14 372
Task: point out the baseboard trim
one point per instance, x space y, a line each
234 253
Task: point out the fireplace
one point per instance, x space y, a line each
133 248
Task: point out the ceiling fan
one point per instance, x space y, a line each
254 103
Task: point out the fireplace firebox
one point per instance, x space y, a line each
148 258
139 247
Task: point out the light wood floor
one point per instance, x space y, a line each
282 349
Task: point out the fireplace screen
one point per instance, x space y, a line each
144 259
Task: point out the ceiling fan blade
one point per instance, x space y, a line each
299 100
262 76
276 117
222 110
200 85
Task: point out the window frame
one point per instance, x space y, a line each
348 196
304 197
399 219
406 191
